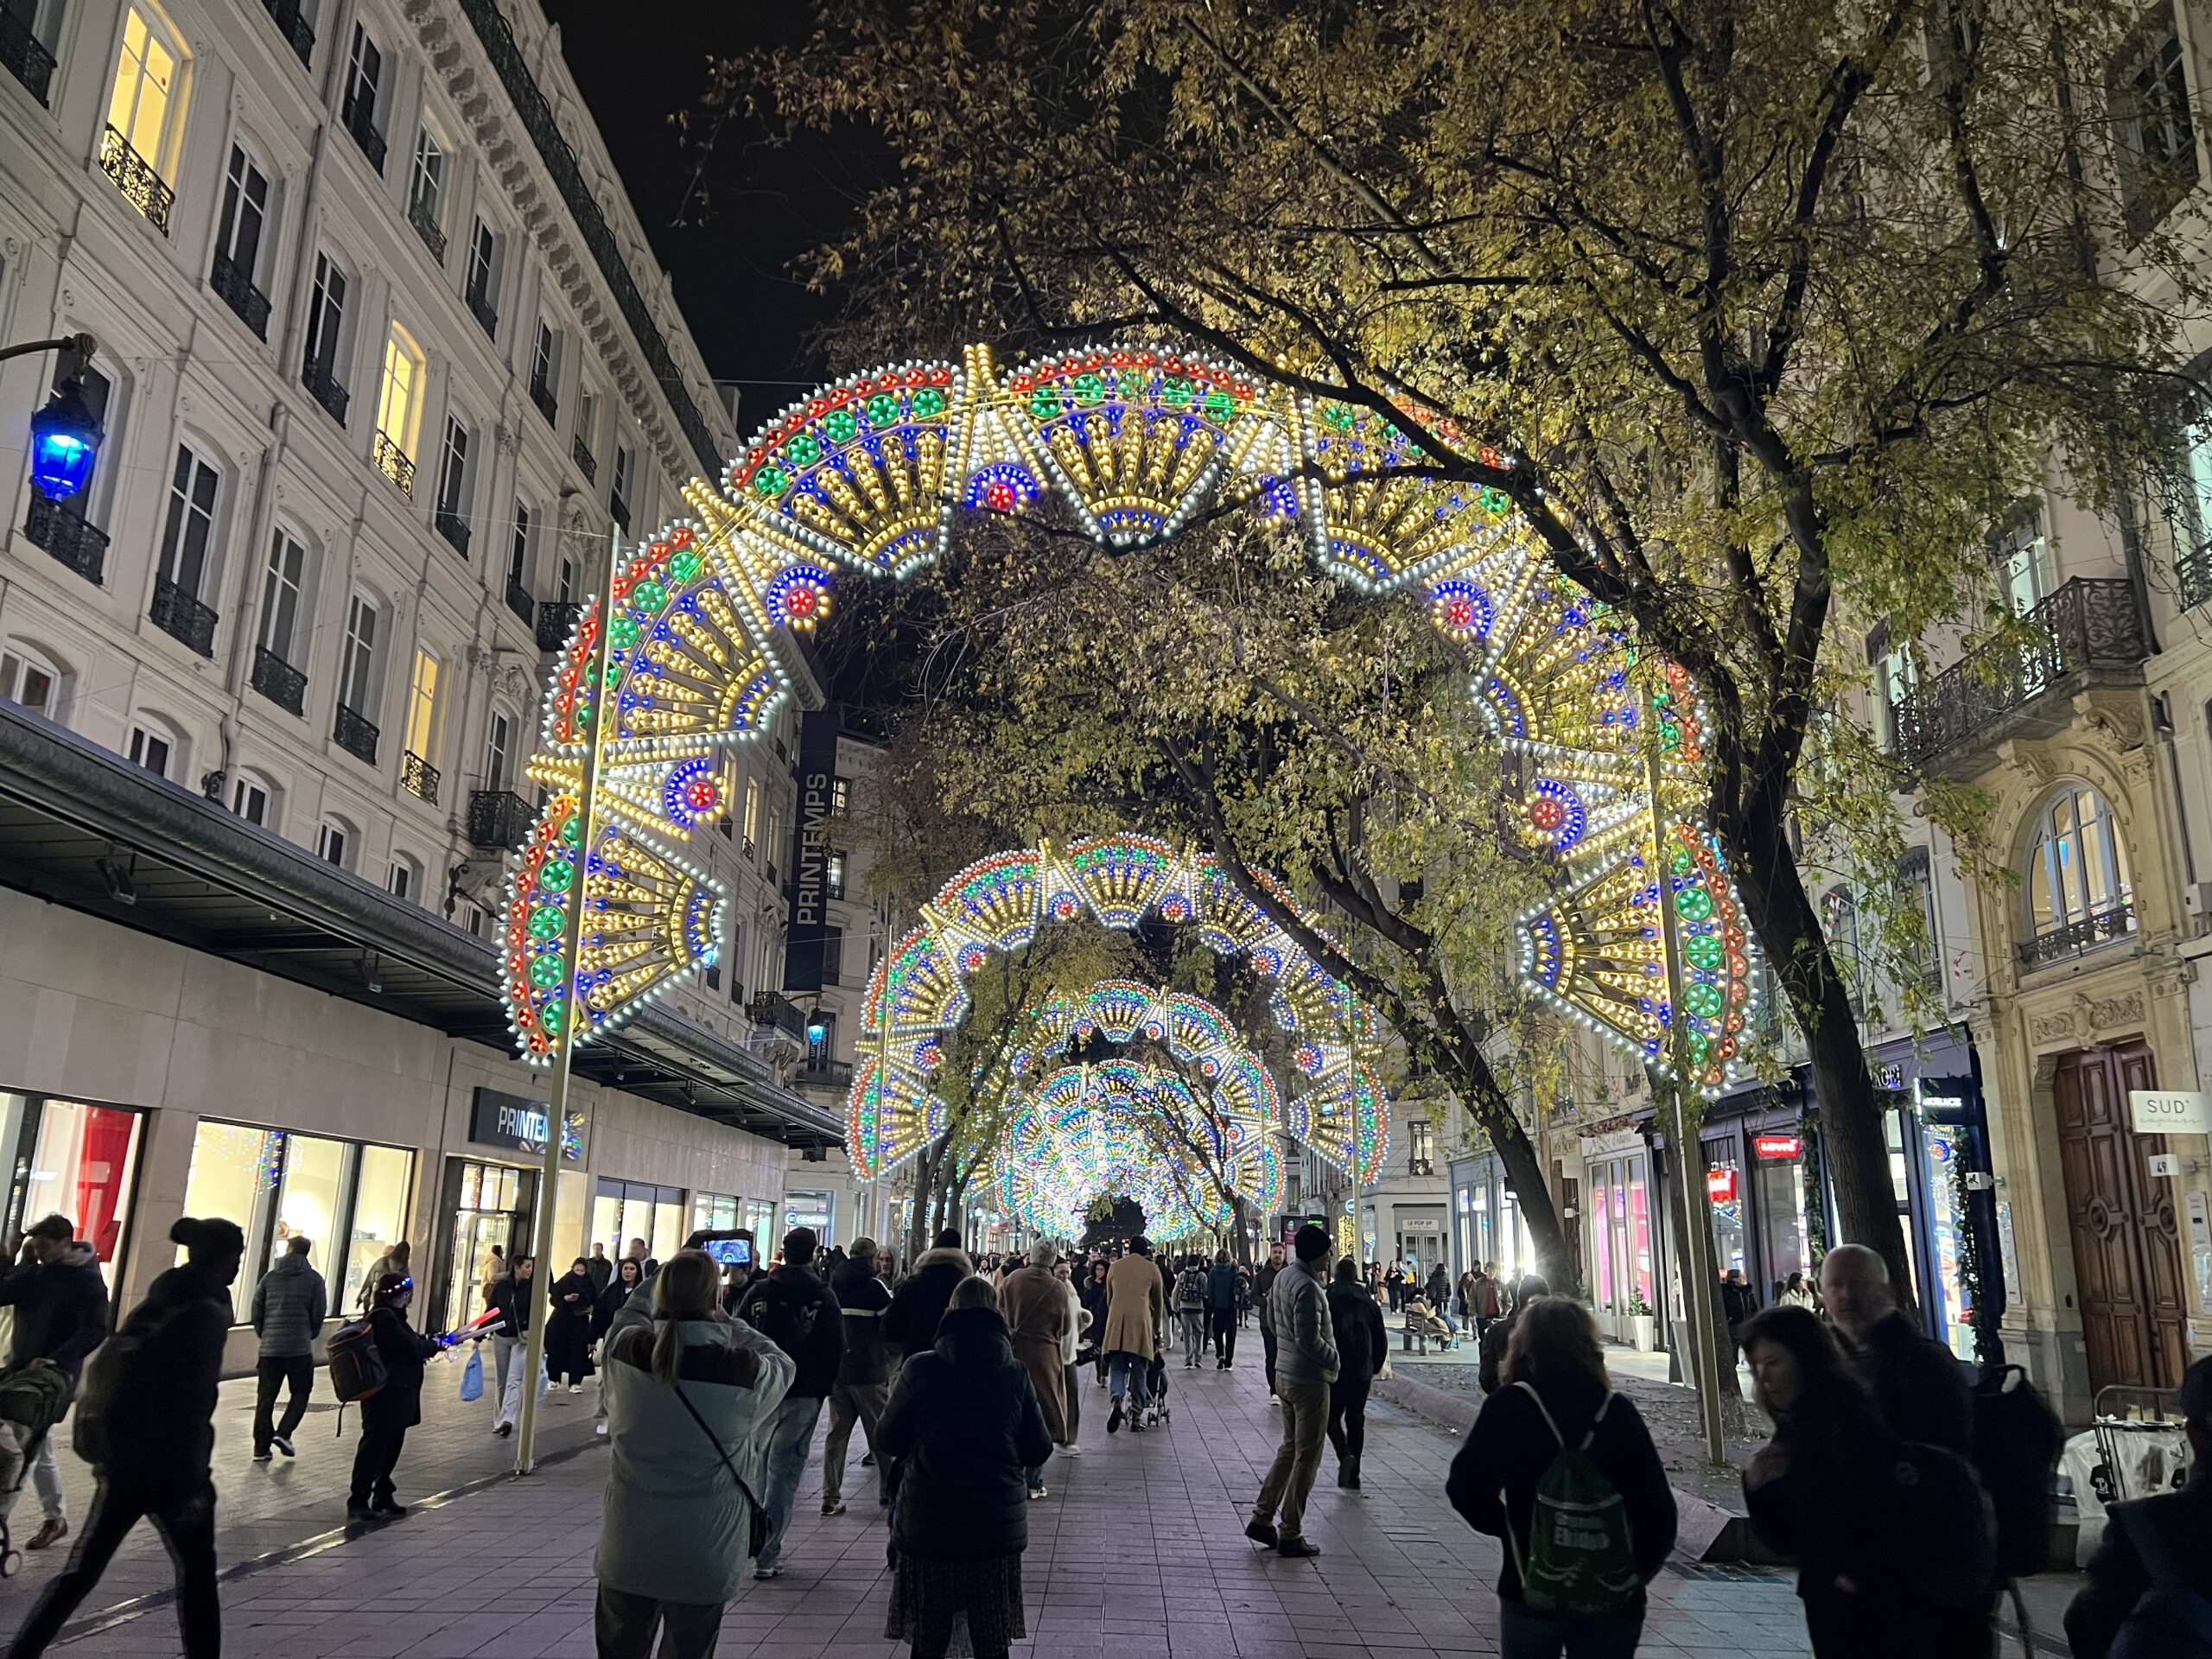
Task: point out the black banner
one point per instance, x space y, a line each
810 888
496 1118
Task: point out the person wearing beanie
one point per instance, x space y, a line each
863 1371
145 1421
795 1310
1306 1362
387 1414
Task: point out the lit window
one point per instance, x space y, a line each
423 704
752 814
2077 876
841 796
28 680
145 88
834 873
400 398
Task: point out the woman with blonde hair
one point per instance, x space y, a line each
1557 1402
687 1403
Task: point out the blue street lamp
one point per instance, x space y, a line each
65 435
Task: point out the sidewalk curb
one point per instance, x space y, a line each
1706 1532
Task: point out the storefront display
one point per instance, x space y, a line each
623 1210
713 1212
1619 1248
75 1160
487 1204
760 1220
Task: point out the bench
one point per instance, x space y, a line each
1414 1329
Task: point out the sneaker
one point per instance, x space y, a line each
599 1429
1261 1533
282 1443
575 1387
767 1573
1070 1450
359 1512
261 1456
832 1506
1113 1419
1036 1492
503 1429
390 1506
1298 1549
1274 1401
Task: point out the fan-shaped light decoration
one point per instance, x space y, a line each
1128 445
1189 1027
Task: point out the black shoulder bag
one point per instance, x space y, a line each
757 1531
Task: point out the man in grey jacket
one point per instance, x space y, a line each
1306 1364
289 1305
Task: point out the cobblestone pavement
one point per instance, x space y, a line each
1136 1551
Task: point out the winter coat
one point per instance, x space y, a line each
780 1301
1078 1318
1136 1306
605 1305
1306 1346
161 1438
1263 1285
1363 1345
1190 1291
917 1304
1221 1287
2117 1577
865 1299
601 1271
1439 1289
516 1304
61 1308
1494 1478
1917 1385
1736 1304
568 1331
1097 1301
965 1424
289 1305
1035 1306
1493 1351
674 1525
399 1404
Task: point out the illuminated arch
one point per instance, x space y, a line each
871 474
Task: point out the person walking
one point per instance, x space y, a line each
395 1260
1394 1281
793 1309
60 1302
289 1305
965 1422
2161 1544
1306 1362
568 1331
146 1422
1071 1346
1795 1293
1362 1349
1096 1302
387 1414
1917 1385
1896 1552
910 1324
1263 1283
1221 1309
863 1370
1492 1357
690 1394
599 1268
1136 1322
1557 1400
511 1297
1191 1310
1034 1305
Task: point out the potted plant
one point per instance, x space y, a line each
1640 1317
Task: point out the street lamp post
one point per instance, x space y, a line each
65 435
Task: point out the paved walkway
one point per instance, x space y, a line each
1137 1551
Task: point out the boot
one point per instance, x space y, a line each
1347 1476
1353 1484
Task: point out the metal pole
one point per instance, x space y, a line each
1696 1247
81 344
564 1039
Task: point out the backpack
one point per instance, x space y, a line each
1941 1542
119 1389
1190 1289
357 1365
1580 1558
776 1314
2169 1620
2017 1440
33 1397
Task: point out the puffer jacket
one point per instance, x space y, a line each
964 1421
1298 1308
61 1308
910 1323
289 1305
865 1299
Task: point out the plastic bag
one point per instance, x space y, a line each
472 1376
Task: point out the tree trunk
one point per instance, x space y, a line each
1524 1176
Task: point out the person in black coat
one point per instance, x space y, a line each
60 1304
628 1275
2152 1540
387 1414
1489 1370
965 1424
1917 1384
145 1421
910 1323
574 1300
1363 1346
1556 1394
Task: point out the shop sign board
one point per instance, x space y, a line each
2166 1165
1420 1224
1779 1146
1721 1183
808 938
497 1119
1611 1146
2169 1111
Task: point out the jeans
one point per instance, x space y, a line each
511 1390
1130 1374
1268 1348
1348 1419
503 1349
1074 1404
1034 1473
789 1438
1525 1635
849 1402
622 1625
298 1371
1298 1460
1223 1320
46 1476
186 1521
1194 1334
374 1459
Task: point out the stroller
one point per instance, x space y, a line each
1156 1411
32 1400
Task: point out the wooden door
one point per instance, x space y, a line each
2127 1249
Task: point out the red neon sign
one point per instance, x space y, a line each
1721 1183
1779 1146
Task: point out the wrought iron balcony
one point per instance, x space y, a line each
360 121
2193 576
556 620
771 1011
394 463
25 54
486 314
587 463
279 682
2089 623
2075 938
356 734
60 529
294 27
833 1074
498 818
519 602
233 285
134 175
321 385
420 777
182 617
422 214
452 527
548 404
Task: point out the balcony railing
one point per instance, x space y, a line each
279 682
2193 574
26 55
321 385
233 285
419 776
587 463
453 528
294 27
360 121
2090 622
356 734
134 175
835 1074
519 602
548 404
181 616
486 314
59 528
556 620
770 1011
422 214
497 817
394 463
2075 938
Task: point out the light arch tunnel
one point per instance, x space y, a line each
872 475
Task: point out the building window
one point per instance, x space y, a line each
244 223
713 1212
426 189
752 815
519 553
139 114
357 668
714 977
405 879
2156 145
281 588
326 333
498 752
333 841
544 372
833 873
564 589
1421 1136
623 1211
153 747
2019 559
840 797
737 964
28 680
2077 883
821 1038
364 77
84 1165
482 292
249 799
1894 679
400 396
618 498
1840 922
452 486
423 704
189 528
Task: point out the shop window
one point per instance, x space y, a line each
2076 878
84 1161
760 1220
29 681
816 1210
623 1211
379 1219
491 1208
713 1212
